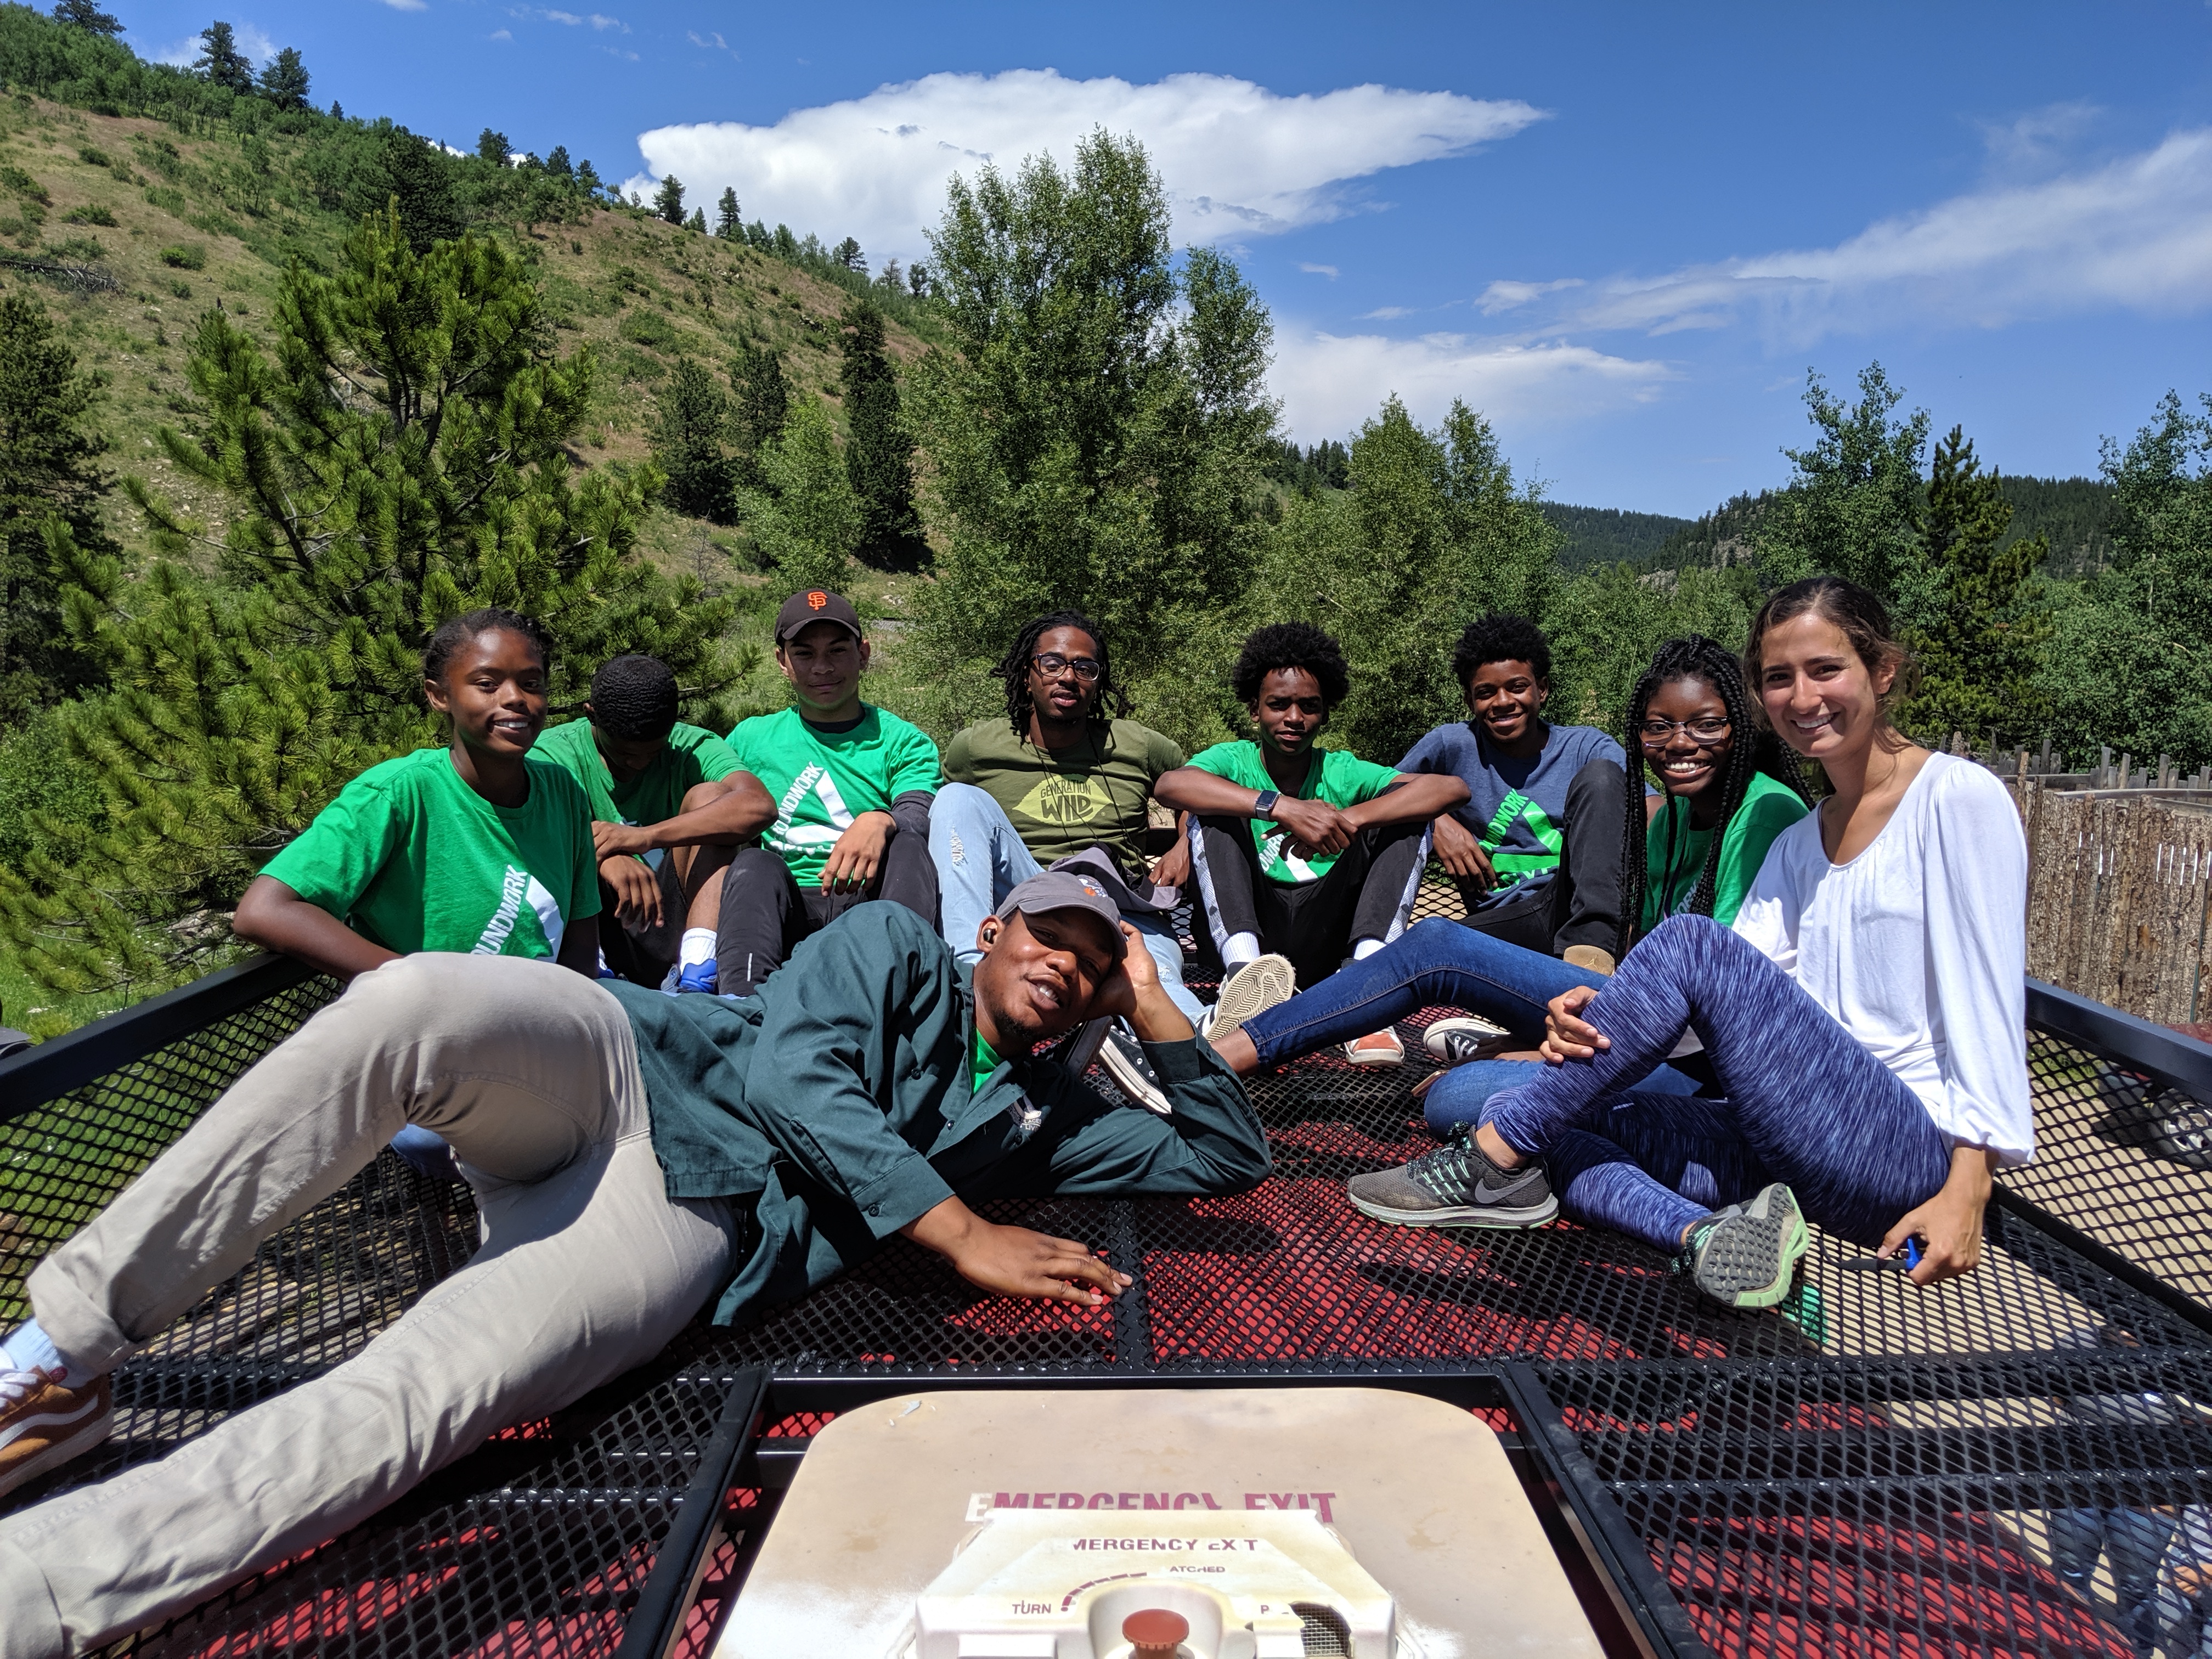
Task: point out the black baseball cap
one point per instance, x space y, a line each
815 604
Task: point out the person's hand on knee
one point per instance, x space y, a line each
1567 1036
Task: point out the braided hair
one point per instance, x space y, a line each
1014 669
1754 748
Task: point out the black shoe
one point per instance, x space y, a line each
1456 1185
1123 1057
1458 1038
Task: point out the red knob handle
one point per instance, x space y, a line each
1155 1633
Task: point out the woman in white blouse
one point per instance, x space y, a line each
1866 1016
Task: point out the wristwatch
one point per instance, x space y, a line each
1263 804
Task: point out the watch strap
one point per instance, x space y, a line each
1263 804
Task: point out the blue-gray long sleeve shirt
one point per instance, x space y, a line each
839 1105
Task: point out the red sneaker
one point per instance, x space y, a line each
1376 1048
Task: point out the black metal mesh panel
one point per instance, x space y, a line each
1872 1469
2125 1160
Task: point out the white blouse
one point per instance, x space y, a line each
1918 947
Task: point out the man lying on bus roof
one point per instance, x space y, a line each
637 1157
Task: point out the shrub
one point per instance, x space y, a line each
78 247
181 289
92 213
645 329
190 256
23 185
98 158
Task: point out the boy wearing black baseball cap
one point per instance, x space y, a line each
852 785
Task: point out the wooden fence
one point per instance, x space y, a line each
2117 888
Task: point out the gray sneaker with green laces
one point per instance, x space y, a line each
1743 1256
1456 1185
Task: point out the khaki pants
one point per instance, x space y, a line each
587 1268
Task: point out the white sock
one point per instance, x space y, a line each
1365 948
698 947
30 1348
1239 948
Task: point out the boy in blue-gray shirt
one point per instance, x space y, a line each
1536 849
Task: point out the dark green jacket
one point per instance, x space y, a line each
837 1106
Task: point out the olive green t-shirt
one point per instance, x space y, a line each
1062 800
1335 776
1674 854
415 859
694 755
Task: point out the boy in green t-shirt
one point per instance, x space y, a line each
850 785
1304 857
670 806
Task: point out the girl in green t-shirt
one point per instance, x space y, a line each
475 847
1731 785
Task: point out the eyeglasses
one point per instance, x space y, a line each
1052 665
1707 728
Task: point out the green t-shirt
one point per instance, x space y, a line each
1335 776
694 755
1062 800
982 1060
821 780
1674 854
415 859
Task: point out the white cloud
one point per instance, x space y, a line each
1329 271
1329 383
502 34
2135 235
1386 313
712 40
1238 160
600 22
253 42
1506 296
407 5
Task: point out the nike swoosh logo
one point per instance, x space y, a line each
1487 1194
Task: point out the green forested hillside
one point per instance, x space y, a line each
1606 535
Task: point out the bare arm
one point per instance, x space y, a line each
1422 795
734 817
274 917
579 947
1187 789
1950 1224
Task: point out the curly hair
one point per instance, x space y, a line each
1755 749
634 697
455 632
1014 669
1501 637
1292 645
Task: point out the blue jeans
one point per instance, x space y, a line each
1435 962
2136 1539
979 860
1807 1103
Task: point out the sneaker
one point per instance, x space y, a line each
1080 1045
1456 1185
1260 984
699 976
1123 1056
1459 1038
1590 957
1380 1047
1743 1256
43 1423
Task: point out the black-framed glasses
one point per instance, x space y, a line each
1052 665
1706 728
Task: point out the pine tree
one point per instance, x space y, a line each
558 163
802 517
693 420
1981 644
399 457
84 14
221 60
878 452
668 201
50 454
762 400
729 223
917 279
848 254
406 171
697 220
493 147
284 82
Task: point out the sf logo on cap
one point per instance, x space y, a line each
817 599
1091 887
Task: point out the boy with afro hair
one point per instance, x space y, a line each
1304 858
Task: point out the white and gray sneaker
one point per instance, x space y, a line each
1260 984
1456 1185
1123 1057
1457 1038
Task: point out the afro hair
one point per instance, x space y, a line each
1292 645
634 697
1501 638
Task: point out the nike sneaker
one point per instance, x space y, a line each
1743 1256
1456 1185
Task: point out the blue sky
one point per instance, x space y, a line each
1625 232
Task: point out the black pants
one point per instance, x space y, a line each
1367 894
643 956
766 913
1580 903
